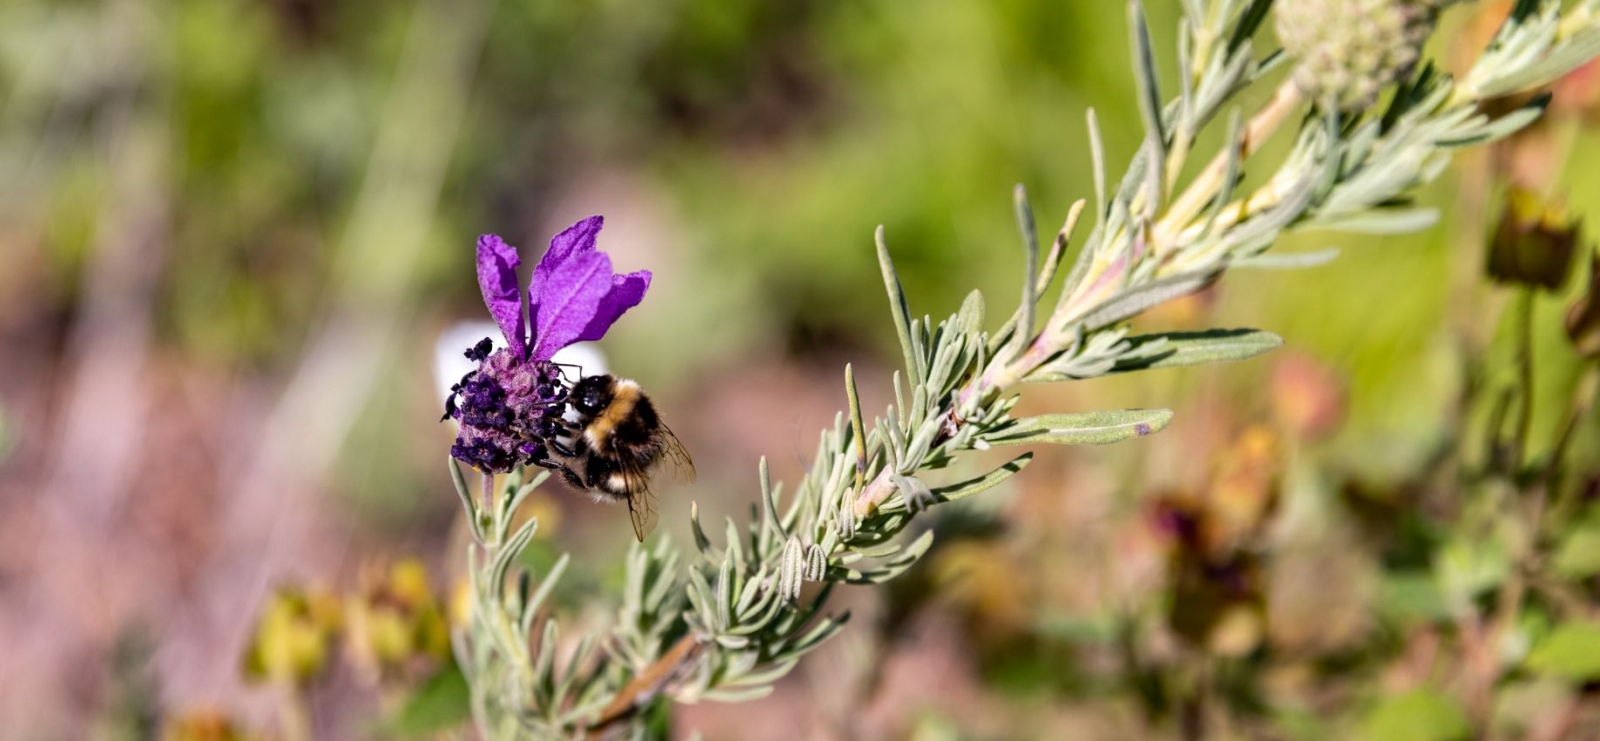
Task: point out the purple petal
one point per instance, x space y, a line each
577 239
566 300
626 292
497 276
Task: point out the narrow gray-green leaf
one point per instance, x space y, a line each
897 301
1088 428
1379 221
1557 62
1230 177
726 594
1249 21
701 542
1030 246
970 319
769 504
1144 66
905 560
1097 158
914 492
738 695
1501 127
546 586
1179 349
1058 248
467 503
516 500
1285 261
964 489
764 676
1136 299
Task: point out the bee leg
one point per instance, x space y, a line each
603 477
564 450
572 477
562 367
541 458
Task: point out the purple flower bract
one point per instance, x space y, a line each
497 277
574 296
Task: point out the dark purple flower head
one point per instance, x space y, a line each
503 407
515 399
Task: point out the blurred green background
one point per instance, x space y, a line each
232 230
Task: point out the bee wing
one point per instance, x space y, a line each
642 510
682 464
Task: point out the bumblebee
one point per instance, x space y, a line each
611 441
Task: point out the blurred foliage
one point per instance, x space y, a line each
439 703
1419 715
6 439
781 132
132 711
774 135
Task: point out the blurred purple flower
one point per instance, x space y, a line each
516 397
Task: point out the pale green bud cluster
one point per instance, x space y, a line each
1347 51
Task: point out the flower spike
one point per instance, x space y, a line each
512 405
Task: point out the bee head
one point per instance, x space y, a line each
592 394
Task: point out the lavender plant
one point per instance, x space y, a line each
726 622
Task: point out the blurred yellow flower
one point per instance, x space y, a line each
461 601
204 725
985 579
1244 488
396 620
293 638
1214 565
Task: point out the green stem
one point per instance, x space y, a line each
1581 406
1524 379
1205 186
488 495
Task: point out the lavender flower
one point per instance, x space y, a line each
514 401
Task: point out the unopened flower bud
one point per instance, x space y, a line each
1534 243
1583 319
1348 51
